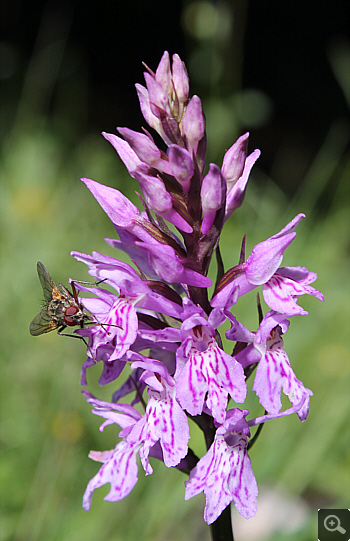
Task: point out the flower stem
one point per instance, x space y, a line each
221 529
256 435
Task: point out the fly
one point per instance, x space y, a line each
61 308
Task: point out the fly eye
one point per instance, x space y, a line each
71 311
68 315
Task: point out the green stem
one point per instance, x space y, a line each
220 265
221 529
256 435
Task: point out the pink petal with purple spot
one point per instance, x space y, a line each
120 470
225 474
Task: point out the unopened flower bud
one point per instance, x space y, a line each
212 196
160 201
234 160
235 195
193 123
181 165
180 79
158 98
145 148
163 74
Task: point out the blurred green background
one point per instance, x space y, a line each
63 84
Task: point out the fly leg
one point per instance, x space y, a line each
79 338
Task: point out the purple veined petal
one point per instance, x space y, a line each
166 422
163 74
181 165
136 438
303 411
301 408
216 401
118 208
192 387
299 274
210 375
128 414
213 193
303 277
114 417
180 79
119 469
235 195
126 318
281 295
118 329
234 160
225 474
281 292
274 374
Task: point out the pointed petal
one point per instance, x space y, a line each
120 470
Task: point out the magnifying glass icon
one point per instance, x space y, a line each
332 524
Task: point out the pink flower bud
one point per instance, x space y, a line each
193 123
234 160
181 165
163 74
180 79
212 196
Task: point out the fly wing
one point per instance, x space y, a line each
46 281
42 323
65 291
